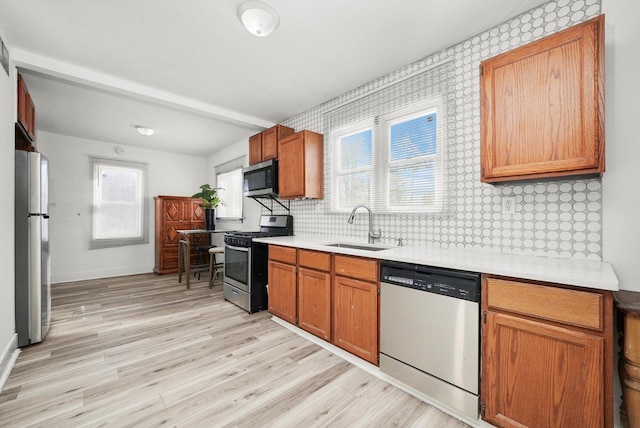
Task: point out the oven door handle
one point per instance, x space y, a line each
243 249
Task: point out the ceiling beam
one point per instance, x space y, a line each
90 78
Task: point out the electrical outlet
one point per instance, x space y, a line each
508 205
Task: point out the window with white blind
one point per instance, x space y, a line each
393 163
413 164
229 180
353 166
119 209
230 192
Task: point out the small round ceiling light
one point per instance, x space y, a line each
144 131
258 18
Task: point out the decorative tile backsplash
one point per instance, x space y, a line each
556 218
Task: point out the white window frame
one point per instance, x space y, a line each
336 170
141 205
381 163
433 105
225 168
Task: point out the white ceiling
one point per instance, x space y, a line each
188 69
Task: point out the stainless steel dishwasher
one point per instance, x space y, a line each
430 332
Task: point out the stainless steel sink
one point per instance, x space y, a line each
357 246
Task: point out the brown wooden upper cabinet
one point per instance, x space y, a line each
264 146
542 107
300 172
26 111
255 149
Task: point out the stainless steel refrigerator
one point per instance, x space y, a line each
33 285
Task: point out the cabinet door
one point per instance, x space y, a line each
282 291
195 214
535 374
542 107
291 176
314 302
171 216
355 317
22 101
255 149
31 118
26 109
270 143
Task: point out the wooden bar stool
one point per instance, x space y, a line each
215 266
184 262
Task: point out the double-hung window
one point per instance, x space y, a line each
119 205
393 163
229 180
353 166
413 170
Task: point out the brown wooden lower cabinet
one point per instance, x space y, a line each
314 302
336 296
547 349
283 291
355 317
314 292
546 360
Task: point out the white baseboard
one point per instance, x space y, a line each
98 274
375 371
8 359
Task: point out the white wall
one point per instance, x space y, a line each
71 197
7 271
252 209
621 196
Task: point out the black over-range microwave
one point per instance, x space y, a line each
261 179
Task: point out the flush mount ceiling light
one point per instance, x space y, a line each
144 131
258 18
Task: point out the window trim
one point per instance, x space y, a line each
94 243
423 108
345 131
381 164
224 168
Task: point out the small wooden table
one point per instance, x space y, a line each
628 304
186 235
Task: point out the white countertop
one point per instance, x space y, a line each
589 274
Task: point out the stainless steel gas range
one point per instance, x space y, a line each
245 263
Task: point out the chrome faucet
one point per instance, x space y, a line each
372 234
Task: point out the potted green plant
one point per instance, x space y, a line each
210 201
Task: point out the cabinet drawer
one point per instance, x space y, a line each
356 267
579 308
315 260
282 254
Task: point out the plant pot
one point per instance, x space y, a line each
210 218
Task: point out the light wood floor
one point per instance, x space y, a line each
144 351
